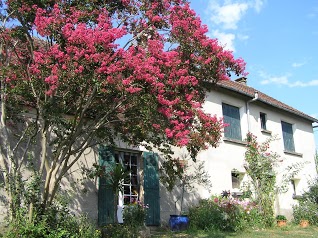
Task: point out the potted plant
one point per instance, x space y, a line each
302 214
281 220
304 223
177 173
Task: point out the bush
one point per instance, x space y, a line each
67 226
307 209
119 231
281 218
225 214
135 214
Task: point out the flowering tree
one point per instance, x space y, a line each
78 73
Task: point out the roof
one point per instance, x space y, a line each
243 89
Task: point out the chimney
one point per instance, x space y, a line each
241 80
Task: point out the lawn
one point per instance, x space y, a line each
289 231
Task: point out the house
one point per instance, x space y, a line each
245 110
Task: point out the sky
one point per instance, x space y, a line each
278 39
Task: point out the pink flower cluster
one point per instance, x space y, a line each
82 48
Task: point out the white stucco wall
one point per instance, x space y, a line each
229 156
219 162
222 160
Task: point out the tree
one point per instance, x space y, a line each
75 74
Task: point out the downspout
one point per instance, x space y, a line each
248 109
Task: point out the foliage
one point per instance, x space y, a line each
119 231
61 226
307 209
183 174
290 172
68 85
135 214
225 214
259 167
281 218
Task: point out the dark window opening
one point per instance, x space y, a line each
263 118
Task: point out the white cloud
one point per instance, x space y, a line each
298 64
280 80
258 4
225 39
228 13
225 16
303 84
242 37
284 81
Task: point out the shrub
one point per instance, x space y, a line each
119 231
307 209
66 226
281 218
225 214
135 214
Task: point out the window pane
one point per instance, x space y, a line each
231 116
263 120
288 137
134 160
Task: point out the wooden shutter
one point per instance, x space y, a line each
231 116
105 193
288 136
151 187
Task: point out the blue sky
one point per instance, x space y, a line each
278 39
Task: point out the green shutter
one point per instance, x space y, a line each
151 188
231 116
105 193
288 136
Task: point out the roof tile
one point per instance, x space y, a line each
249 91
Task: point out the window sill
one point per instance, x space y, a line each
266 132
297 197
234 141
293 153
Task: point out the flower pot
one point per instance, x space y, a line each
179 222
304 223
281 223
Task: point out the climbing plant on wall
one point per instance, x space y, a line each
260 163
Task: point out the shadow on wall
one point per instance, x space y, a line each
170 202
79 191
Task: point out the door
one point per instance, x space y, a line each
105 192
151 188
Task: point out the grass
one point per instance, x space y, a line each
290 231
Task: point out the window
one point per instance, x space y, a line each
294 184
231 116
236 180
131 187
263 118
288 137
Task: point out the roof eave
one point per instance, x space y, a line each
312 119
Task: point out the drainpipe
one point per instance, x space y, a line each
248 109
